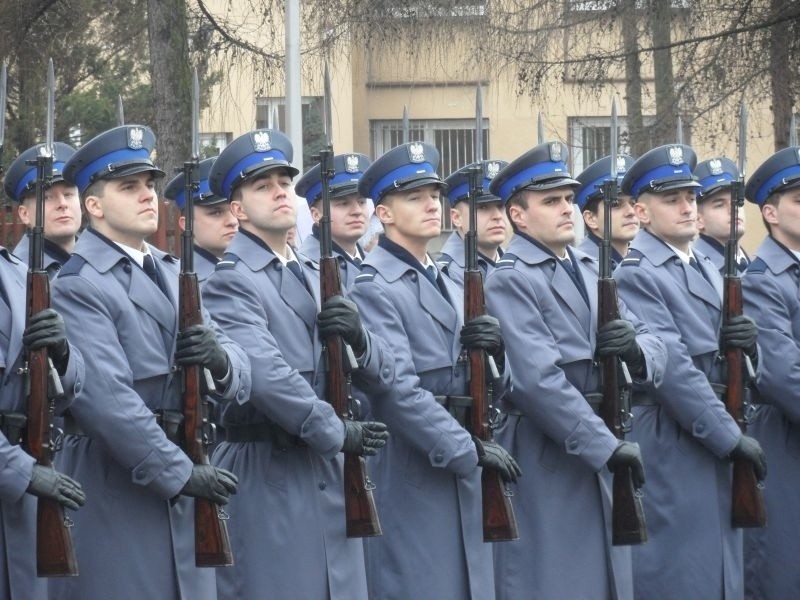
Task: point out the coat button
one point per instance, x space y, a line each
413 277
438 458
126 266
322 485
573 445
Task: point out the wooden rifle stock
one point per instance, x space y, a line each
55 555
627 517
211 542
360 510
499 522
748 508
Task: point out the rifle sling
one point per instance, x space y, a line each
13 425
169 420
262 432
593 399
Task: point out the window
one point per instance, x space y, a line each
212 143
271 113
590 139
454 138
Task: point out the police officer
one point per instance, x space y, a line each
770 290
714 211
429 480
589 198
62 215
283 438
119 298
20 477
214 223
686 435
545 295
491 227
349 212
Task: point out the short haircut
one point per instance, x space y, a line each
96 188
773 200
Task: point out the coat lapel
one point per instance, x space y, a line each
699 286
15 289
295 294
435 304
146 295
565 288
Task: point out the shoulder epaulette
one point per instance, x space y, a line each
224 265
73 266
507 262
757 266
368 273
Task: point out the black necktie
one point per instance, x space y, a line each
567 264
297 271
436 280
357 262
743 263
149 266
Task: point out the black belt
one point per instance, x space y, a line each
13 425
593 399
262 432
169 420
459 407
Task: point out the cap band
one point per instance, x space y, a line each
245 166
531 175
29 179
714 183
108 161
784 177
661 175
337 181
400 176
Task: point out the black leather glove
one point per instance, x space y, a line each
339 316
492 455
47 329
618 338
198 345
46 482
484 333
739 332
212 483
750 450
628 454
364 438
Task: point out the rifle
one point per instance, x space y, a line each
359 505
627 519
55 555
212 546
499 523
748 508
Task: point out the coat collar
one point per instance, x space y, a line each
776 256
13 281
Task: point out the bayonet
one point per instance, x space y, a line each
540 128
406 126
328 110
614 136
478 124
120 111
195 116
3 79
51 95
679 130
792 127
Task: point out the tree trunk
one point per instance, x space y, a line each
780 75
637 136
666 106
170 77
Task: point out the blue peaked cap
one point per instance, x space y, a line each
249 155
715 174
404 167
780 172
203 196
595 175
115 153
348 170
458 182
660 170
543 167
20 180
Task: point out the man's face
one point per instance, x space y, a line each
624 224
62 211
127 211
413 215
349 217
784 218
214 227
714 216
492 225
548 218
671 215
267 202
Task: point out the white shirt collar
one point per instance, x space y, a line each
290 255
681 254
137 255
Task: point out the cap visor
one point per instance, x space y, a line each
677 185
210 200
270 167
417 183
134 170
550 184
